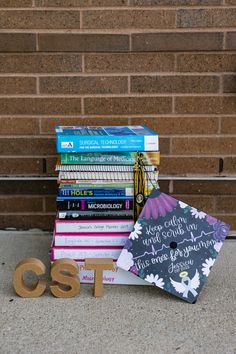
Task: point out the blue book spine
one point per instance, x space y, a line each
60 198
95 192
72 143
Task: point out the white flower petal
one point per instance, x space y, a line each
206 267
217 246
125 260
182 205
155 280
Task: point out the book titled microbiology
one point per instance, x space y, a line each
81 253
94 204
93 226
114 276
89 240
105 138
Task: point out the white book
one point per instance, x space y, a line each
83 252
75 240
115 276
93 226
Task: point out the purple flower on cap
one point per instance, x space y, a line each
220 231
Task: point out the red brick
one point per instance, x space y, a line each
175 2
51 163
19 126
229 166
186 166
39 19
126 19
50 203
25 222
174 84
20 204
127 105
15 3
206 204
228 125
17 42
84 85
206 105
40 63
206 18
28 187
210 187
27 146
164 186
229 83
231 40
65 42
152 42
48 124
80 3
207 62
164 145
204 146
180 125
21 166
129 62
17 85
35 106
226 204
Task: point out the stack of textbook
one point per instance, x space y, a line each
97 195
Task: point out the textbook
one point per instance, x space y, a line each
74 177
75 240
94 204
101 168
98 226
99 184
87 215
114 276
105 138
81 253
110 158
95 192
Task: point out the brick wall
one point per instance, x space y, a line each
167 63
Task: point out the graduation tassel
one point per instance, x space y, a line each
139 186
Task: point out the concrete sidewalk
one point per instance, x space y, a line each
128 319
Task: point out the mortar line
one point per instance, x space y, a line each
224 40
37 85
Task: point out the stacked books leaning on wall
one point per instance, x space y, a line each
105 174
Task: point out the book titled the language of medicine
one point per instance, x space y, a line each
110 158
106 138
93 226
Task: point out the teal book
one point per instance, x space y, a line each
110 158
72 139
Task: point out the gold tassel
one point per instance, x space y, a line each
140 188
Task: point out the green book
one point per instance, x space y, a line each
110 158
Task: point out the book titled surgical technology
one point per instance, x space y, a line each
105 138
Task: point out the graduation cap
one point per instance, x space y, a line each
173 246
